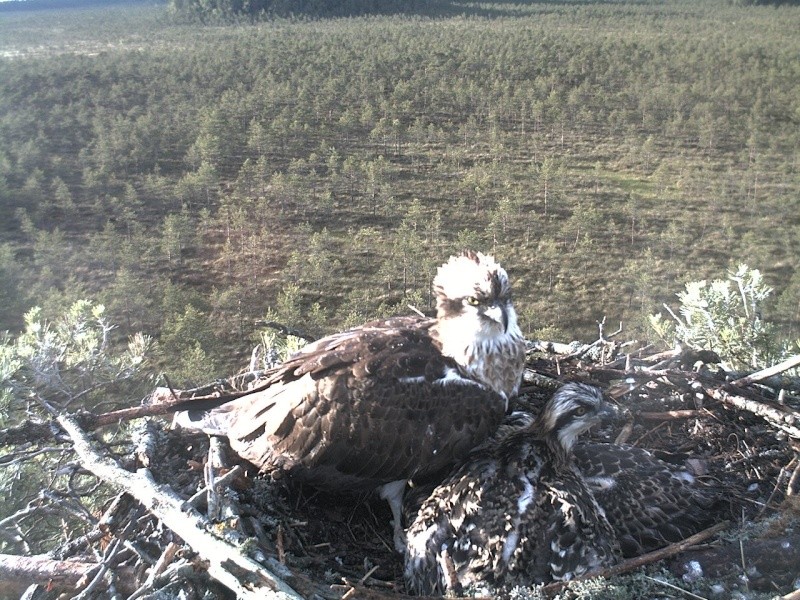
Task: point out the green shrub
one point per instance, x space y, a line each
725 316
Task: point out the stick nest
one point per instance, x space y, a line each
743 435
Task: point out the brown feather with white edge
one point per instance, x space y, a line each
390 400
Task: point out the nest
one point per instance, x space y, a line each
192 521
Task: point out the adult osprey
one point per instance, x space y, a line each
380 404
518 512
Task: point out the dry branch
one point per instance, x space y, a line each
19 572
286 330
781 367
226 564
671 414
645 559
785 421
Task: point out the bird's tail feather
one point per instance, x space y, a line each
215 421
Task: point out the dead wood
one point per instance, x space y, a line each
285 330
672 414
225 563
780 419
17 573
632 564
769 372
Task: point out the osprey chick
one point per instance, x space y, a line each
377 405
517 512
649 503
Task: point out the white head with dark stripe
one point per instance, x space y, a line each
477 324
474 287
572 411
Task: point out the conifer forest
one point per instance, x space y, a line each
182 180
197 178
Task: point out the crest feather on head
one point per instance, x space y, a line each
464 274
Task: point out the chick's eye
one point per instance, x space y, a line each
473 301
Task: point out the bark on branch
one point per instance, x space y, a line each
226 564
789 363
785 421
19 572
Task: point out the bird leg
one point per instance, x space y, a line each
393 493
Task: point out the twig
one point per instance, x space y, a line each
416 310
673 315
74 546
368 574
197 497
285 330
787 364
24 455
790 487
675 587
645 559
169 386
775 417
163 401
178 571
744 565
656 358
625 433
615 333
30 508
163 562
671 414
778 482
648 432
98 578
279 544
226 564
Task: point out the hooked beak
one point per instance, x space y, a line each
498 313
609 413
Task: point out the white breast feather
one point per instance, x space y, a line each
601 483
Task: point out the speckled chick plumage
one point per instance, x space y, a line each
648 501
517 511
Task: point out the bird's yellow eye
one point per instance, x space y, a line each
472 300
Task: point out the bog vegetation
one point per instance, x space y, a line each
197 180
172 177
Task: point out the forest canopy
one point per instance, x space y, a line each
180 181
198 181
215 9
206 10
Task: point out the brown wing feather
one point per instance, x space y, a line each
365 407
649 502
349 348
